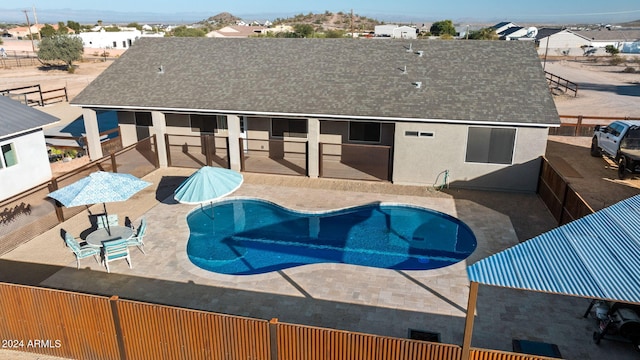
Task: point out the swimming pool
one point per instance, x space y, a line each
251 236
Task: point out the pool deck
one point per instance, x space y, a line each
347 297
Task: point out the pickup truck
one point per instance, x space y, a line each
619 141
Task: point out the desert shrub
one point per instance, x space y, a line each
629 70
616 60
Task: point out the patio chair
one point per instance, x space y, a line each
115 250
137 239
103 220
81 251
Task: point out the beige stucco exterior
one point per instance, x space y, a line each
423 160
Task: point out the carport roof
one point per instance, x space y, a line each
597 256
330 78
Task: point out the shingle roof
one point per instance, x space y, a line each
16 117
627 35
461 80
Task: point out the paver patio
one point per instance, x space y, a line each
348 297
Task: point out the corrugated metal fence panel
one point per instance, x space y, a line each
163 332
57 323
483 354
311 343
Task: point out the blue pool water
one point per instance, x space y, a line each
247 236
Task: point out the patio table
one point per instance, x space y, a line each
99 236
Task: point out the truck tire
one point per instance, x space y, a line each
595 150
622 167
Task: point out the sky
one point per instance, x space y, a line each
541 11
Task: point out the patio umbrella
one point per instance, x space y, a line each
208 184
99 187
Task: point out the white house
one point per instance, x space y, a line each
385 30
24 162
109 40
561 42
404 32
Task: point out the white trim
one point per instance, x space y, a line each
323 116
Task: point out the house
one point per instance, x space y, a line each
502 26
562 42
395 98
102 39
23 32
404 32
24 162
513 33
384 30
237 31
620 38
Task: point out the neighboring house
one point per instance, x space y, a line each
562 42
121 40
621 39
502 26
237 31
513 33
22 32
435 116
395 31
384 30
405 32
24 162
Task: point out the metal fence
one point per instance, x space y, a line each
29 214
82 326
12 58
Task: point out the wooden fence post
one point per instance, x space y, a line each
53 186
113 301
114 166
320 150
273 338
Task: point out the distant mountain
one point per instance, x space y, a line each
635 23
222 19
332 21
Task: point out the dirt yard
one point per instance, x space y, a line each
604 90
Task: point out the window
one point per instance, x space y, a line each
288 127
9 157
490 145
208 124
364 131
143 119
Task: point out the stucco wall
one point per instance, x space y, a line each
33 165
422 160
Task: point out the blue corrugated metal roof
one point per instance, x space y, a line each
597 256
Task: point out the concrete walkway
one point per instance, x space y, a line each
348 297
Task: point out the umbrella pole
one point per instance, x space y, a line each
106 218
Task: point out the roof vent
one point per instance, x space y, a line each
161 70
418 84
409 49
420 52
404 70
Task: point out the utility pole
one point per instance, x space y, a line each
33 47
352 35
35 18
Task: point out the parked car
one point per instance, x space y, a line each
619 141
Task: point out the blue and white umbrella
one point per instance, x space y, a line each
207 184
99 187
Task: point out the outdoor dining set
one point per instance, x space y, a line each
107 238
110 241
